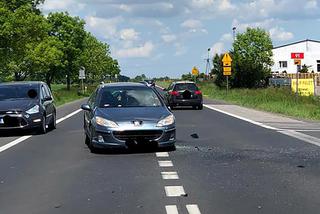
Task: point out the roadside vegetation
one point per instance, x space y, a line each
62 95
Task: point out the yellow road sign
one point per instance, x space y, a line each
195 71
227 58
227 73
227 69
297 61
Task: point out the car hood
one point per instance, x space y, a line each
18 105
150 114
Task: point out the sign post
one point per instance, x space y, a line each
297 57
82 76
227 63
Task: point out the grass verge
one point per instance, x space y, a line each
63 96
276 100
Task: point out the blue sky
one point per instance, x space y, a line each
167 38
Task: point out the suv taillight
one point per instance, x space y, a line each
174 93
198 92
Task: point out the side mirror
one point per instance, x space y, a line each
47 99
85 107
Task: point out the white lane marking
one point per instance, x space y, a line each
193 209
162 154
242 118
169 175
13 143
165 163
174 191
291 133
24 138
301 136
172 209
68 116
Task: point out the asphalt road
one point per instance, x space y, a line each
227 166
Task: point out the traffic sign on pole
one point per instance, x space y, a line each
195 71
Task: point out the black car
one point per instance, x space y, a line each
26 105
184 94
126 115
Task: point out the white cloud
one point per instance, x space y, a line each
202 3
279 34
226 5
217 48
192 24
311 4
180 49
143 51
227 37
168 38
105 28
129 34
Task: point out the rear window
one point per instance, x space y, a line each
13 92
128 97
186 86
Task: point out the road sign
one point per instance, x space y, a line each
227 58
297 55
195 71
297 61
227 63
82 73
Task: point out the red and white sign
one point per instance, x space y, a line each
297 55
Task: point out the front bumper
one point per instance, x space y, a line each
120 138
20 120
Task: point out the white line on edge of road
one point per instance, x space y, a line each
242 118
292 133
24 138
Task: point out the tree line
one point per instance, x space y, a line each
50 48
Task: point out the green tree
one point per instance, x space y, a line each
217 71
70 31
13 5
20 30
47 60
97 60
252 58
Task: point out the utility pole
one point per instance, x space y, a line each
208 63
234 31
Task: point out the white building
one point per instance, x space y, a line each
282 56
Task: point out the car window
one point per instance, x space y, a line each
92 99
47 91
8 92
43 92
186 86
129 97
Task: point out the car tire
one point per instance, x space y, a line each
171 148
200 107
87 140
53 124
43 127
194 107
171 107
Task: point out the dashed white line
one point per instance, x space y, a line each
174 191
24 138
193 209
162 154
169 175
172 209
165 163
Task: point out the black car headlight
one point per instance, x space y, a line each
106 123
166 121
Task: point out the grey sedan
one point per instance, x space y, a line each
124 115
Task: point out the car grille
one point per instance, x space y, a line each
138 135
12 120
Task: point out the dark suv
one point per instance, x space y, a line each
184 94
26 105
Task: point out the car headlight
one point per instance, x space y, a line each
166 121
34 110
104 122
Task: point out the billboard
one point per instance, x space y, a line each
305 86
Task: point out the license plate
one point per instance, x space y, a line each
1 121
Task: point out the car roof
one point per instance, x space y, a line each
22 83
184 82
123 84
